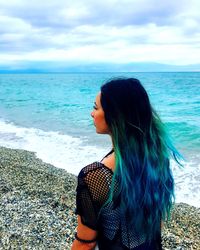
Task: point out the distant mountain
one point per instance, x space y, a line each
58 67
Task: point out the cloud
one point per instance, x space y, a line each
62 14
123 31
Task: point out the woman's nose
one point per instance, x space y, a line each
92 114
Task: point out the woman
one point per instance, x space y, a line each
122 200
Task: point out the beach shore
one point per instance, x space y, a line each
38 201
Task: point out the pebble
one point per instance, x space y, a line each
38 202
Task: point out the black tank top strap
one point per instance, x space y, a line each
112 150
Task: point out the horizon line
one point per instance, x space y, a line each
86 72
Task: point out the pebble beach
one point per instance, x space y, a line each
38 201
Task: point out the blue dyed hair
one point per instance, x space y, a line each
142 152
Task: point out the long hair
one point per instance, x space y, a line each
142 152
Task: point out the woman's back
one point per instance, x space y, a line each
114 231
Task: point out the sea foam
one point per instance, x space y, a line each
60 150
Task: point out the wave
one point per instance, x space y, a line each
187 188
60 150
73 153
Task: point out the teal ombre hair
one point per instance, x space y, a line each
142 152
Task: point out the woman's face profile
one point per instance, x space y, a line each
99 117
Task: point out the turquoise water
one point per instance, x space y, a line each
50 114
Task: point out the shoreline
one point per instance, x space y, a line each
38 202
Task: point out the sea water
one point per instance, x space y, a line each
50 115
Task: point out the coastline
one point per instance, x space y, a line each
38 202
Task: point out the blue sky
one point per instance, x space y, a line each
88 31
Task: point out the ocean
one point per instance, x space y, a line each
49 114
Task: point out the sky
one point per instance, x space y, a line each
88 31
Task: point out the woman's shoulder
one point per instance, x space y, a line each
94 171
90 168
96 178
96 166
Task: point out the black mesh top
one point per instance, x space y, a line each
114 232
